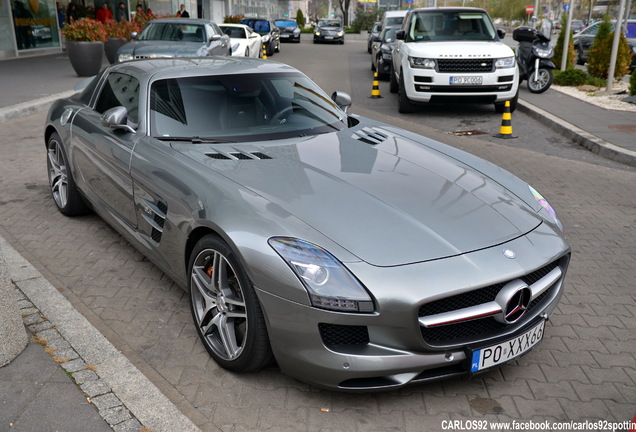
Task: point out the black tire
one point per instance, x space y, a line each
67 198
270 50
546 76
373 69
393 84
247 52
579 57
226 312
405 106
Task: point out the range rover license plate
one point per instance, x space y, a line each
504 352
466 80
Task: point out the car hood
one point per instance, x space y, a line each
389 203
461 49
162 48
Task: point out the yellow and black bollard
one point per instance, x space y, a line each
264 52
505 131
375 92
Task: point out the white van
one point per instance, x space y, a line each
392 18
444 54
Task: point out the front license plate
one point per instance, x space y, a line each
504 352
466 80
284 36
328 37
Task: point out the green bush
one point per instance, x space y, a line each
365 19
598 62
558 48
570 77
300 19
632 83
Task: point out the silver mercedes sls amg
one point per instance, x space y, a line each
355 254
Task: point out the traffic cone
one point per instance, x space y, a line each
375 92
264 52
505 131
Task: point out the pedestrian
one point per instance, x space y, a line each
71 13
120 13
103 14
182 12
60 14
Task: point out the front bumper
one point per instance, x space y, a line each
391 348
424 85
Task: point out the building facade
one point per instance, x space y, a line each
32 27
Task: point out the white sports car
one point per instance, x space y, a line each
245 42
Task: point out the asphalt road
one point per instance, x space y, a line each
585 369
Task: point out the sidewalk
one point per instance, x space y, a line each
95 387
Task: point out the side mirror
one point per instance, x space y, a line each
134 35
215 38
116 118
342 99
400 35
501 33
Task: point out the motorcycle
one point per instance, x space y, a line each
534 55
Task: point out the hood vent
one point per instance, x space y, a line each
370 136
239 156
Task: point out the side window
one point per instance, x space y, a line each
120 90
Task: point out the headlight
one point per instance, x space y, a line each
266 38
421 63
329 284
340 34
317 33
296 32
546 205
235 47
124 57
507 62
543 53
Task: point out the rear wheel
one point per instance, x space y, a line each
226 312
579 57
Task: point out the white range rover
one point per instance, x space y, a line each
444 54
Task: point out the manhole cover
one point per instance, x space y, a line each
629 128
467 132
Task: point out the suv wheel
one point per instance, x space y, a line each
405 106
393 84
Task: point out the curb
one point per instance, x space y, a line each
31 107
578 135
123 395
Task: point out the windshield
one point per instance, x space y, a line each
259 26
233 32
242 107
285 23
173 32
451 25
328 23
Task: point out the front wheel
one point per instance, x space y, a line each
405 106
393 84
65 194
226 312
540 81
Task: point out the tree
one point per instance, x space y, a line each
344 8
599 55
300 19
558 48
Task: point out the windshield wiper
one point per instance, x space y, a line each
195 139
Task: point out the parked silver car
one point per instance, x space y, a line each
359 255
176 37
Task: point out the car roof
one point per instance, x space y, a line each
447 9
180 21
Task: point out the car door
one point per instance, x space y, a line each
102 155
218 42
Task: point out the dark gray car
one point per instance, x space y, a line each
585 38
176 37
357 254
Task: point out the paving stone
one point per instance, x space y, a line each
103 402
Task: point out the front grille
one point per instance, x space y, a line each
335 334
482 328
465 65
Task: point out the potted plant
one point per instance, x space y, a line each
85 45
117 34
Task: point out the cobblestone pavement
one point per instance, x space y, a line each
584 369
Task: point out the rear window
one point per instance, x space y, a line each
286 23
